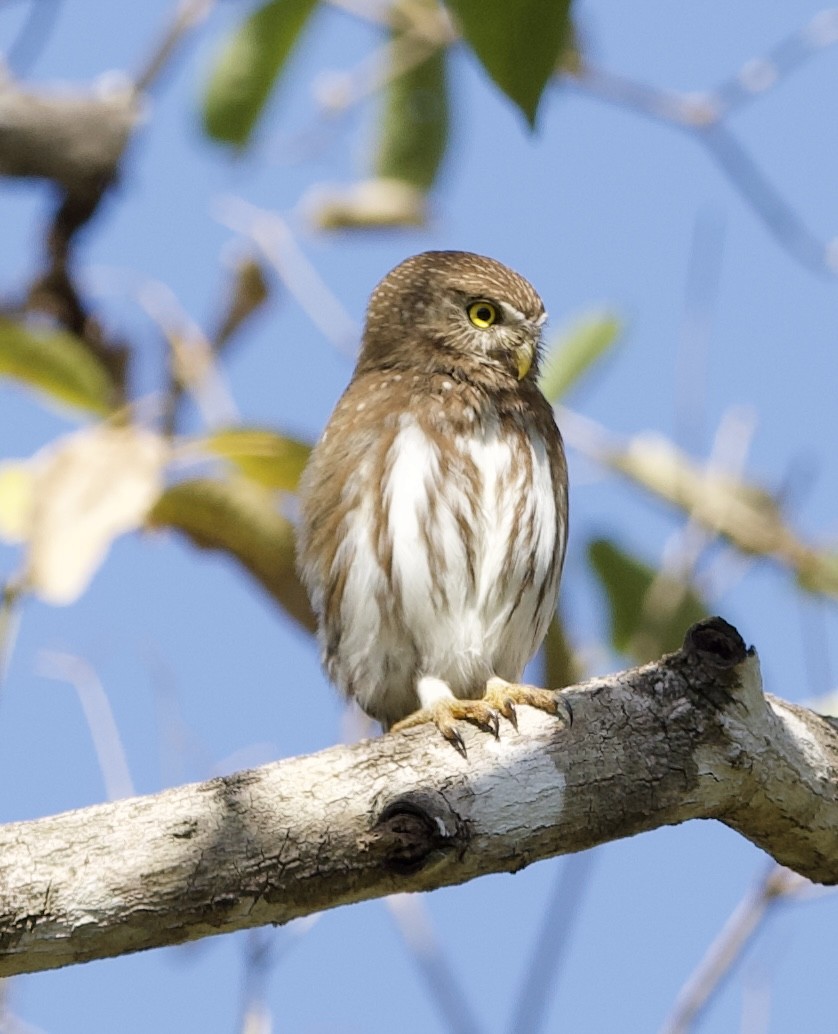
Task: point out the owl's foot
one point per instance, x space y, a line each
503 697
499 701
446 712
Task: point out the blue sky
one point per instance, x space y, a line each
600 208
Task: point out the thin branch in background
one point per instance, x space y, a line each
264 949
192 359
10 598
187 16
414 924
258 963
96 708
9 1023
184 757
761 74
377 70
272 235
702 117
814 633
32 37
769 204
700 296
728 456
746 919
377 13
756 1004
561 913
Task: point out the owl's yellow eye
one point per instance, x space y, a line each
482 314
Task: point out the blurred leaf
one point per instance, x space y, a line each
518 43
17 486
746 513
575 350
561 665
55 362
650 611
86 490
817 570
271 459
414 123
370 204
248 293
238 517
248 66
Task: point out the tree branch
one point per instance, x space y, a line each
690 736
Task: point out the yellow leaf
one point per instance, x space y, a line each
239 517
57 363
16 491
87 489
271 459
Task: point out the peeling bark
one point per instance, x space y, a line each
690 736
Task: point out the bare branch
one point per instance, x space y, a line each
703 115
691 736
727 948
727 505
188 15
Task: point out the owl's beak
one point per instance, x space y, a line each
524 355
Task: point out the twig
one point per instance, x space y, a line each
776 213
419 936
743 513
258 961
192 360
725 951
10 596
560 916
107 742
32 37
700 295
188 15
273 237
702 116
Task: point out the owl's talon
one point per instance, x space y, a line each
445 713
489 723
456 740
505 696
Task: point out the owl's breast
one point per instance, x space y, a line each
474 543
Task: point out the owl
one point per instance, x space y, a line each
434 507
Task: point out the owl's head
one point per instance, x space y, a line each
452 310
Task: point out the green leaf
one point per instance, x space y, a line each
650 611
56 363
414 123
248 66
239 518
575 350
271 459
518 42
562 666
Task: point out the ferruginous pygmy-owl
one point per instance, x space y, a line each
434 507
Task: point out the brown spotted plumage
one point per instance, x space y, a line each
434 508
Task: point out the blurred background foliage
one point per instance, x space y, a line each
178 455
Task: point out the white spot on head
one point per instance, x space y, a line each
512 314
447 385
361 406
